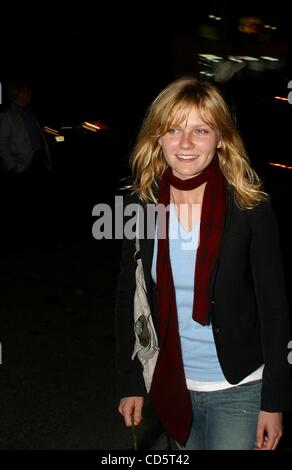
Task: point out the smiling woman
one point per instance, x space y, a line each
190 147
218 303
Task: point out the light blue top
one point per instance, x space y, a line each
197 341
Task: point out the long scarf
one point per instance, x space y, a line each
168 394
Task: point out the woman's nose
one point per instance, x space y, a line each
186 140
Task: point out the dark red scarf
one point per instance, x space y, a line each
169 395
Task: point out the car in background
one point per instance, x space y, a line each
83 147
68 131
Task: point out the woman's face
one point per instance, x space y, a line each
190 147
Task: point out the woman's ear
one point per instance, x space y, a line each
159 140
219 145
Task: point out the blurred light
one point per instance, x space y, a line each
248 58
250 25
268 26
207 74
90 126
280 98
280 165
235 59
49 130
216 18
99 125
59 138
272 59
211 57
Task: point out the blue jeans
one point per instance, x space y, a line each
225 419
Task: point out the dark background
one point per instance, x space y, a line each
105 61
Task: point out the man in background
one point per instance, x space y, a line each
24 163
23 144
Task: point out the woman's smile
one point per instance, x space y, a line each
189 147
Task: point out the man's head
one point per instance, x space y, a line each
20 92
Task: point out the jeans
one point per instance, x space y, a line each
225 419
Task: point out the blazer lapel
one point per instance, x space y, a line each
146 248
229 208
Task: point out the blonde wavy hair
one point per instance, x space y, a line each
170 108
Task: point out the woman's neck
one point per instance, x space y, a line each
188 205
194 196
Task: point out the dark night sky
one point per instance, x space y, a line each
115 55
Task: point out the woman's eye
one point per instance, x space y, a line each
172 130
202 131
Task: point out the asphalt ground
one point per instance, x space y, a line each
57 371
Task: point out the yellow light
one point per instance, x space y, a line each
90 127
49 130
280 165
280 98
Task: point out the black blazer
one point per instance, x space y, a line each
248 305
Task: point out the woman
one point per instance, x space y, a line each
213 277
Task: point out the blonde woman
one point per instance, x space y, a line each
213 278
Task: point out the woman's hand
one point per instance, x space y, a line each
269 430
130 405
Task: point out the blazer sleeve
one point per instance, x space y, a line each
274 318
130 380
